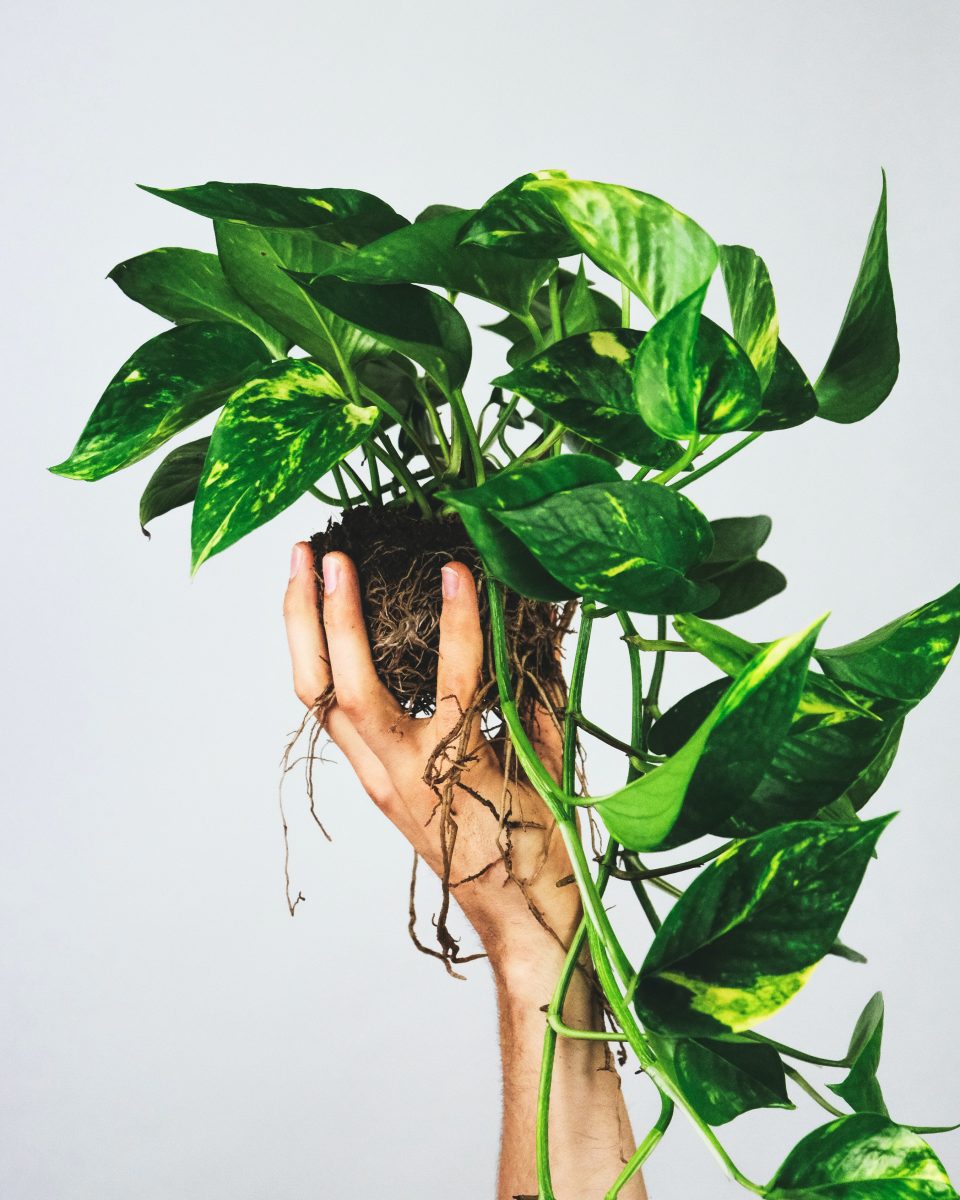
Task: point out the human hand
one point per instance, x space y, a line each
437 778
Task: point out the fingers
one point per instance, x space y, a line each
461 645
373 712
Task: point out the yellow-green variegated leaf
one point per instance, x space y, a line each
658 252
904 659
585 382
520 222
255 262
277 434
753 307
861 1157
165 386
428 252
691 377
409 319
705 780
335 214
747 933
625 544
189 285
865 360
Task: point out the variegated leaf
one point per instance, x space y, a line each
255 261
865 360
861 1157
169 383
519 221
753 307
277 434
409 319
335 214
427 252
625 544
705 779
747 933
585 382
189 285
904 659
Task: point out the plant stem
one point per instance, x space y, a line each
624 306
389 457
529 321
654 644
645 1147
543 445
374 472
790 1052
320 495
458 406
345 500
721 458
433 416
675 868
581 1035
653 917
502 421
608 739
556 320
798 1079
683 461
357 483
650 704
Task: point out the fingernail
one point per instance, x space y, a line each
296 558
450 582
331 574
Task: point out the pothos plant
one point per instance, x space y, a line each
326 331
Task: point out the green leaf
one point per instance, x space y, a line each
705 779
277 434
521 222
753 307
625 544
408 319
691 377
427 252
171 381
861 1157
504 556
745 936
823 702
904 659
255 261
722 1080
860 1088
732 565
334 214
865 360
189 285
174 482
659 253
585 383
788 399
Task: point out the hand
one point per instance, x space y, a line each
460 828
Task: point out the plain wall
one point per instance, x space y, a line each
167 1030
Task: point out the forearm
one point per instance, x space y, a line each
590 1134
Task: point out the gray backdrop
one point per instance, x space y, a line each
168 1031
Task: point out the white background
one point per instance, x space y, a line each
167 1030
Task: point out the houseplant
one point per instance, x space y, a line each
339 372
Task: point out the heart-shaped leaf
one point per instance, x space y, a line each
428 252
409 319
624 544
585 382
860 1088
334 214
691 377
861 1157
174 482
732 565
277 434
705 779
523 223
658 252
865 360
722 1079
256 262
171 381
904 659
189 285
745 936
